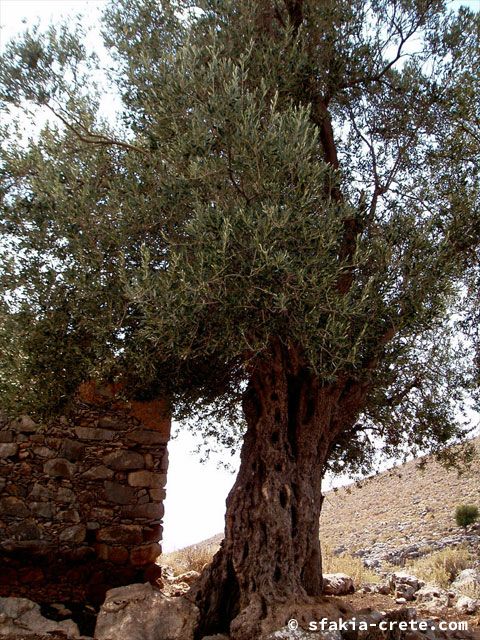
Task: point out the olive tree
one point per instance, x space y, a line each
280 227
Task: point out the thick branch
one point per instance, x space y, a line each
236 184
321 117
295 14
397 398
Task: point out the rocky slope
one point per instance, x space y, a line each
401 513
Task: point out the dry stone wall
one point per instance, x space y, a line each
81 498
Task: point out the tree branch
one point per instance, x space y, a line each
399 54
295 14
397 398
234 182
94 138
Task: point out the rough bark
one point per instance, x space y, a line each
271 551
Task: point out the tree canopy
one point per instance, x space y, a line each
306 174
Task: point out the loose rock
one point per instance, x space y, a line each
467 605
433 599
468 578
189 577
337 584
139 612
400 579
19 616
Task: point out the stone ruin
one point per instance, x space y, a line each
81 497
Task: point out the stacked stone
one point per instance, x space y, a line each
90 487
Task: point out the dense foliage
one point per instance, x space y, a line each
301 171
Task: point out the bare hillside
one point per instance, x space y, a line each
403 505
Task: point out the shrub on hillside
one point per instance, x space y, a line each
192 558
466 514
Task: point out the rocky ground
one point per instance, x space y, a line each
143 612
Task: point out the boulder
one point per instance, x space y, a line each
145 554
405 591
112 422
400 579
25 424
468 578
124 460
116 554
59 468
120 534
75 534
33 547
69 515
6 436
100 472
119 493
177 589
39 492
376 587
147 479
337 584
65 495
157 495
467 605
8 450
148 437
140 612
89 433
151 511
19 616
72 450
433 599
44 452
189 577
42 509
12 506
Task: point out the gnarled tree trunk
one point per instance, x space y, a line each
271 551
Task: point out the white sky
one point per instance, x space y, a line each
196 492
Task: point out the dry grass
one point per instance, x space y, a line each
471 590
197 556
345 563
192 558
441 567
